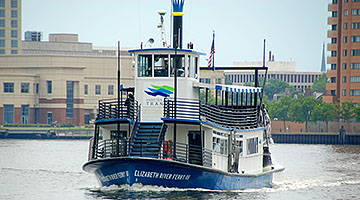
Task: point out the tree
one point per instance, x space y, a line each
324 112
301 109
357 112
346 110
275 86
281 109
319 84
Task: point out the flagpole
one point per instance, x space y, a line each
213 59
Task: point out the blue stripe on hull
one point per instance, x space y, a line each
171 174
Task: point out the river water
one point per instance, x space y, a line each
51 169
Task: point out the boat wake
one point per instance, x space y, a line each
281 186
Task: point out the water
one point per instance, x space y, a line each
51 169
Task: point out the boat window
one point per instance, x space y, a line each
180 64
223 146
191 67
161 65
252 146
145 66
239 144
196 66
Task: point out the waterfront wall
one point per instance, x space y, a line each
24 133
316 138
317 127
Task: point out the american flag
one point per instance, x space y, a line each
211 58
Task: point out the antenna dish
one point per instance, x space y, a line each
151 41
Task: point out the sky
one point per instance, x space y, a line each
295 30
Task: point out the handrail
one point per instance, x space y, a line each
133 130
239 117
109 108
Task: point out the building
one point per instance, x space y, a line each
282 70
10 27
59 80
344 36
34 36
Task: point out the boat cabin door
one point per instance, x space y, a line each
195 149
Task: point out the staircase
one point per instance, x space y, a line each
148 139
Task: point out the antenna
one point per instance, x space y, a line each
162 27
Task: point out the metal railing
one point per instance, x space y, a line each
185 153
230 117
188 153
110 148
110 109
185 108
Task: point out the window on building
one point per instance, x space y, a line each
333 92
218 81
14 23
14 3
2 43
2 32
252 146
333 53
49 87
2 22
14 13
354 92
344 52
14 43
355 25
2 51
2 3
345 26
333 40
8 87
25 87
14 33
334 27
344 65
37 88
2 13
346 12
355 65
345 39
86 89
334 14
110 89
355 38
25 114
333 80
97 89
344 79
144 66
334 1
355 52
355 12
333 67
344 92
70 99
354 79
14 51
205 80
8 114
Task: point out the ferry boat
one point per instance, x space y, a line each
162 133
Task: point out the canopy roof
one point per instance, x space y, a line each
237 88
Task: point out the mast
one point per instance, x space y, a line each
118 100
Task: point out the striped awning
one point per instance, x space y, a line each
236 88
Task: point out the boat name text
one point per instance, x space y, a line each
114 176
149 174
